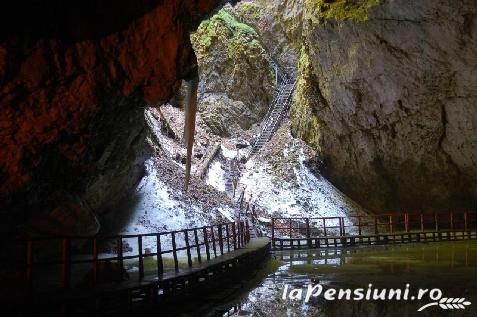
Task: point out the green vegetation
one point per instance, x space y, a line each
224 28
341 10
304 121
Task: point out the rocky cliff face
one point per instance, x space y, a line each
387 97
237 82
73 81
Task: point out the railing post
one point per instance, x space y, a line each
308 235
212 236
221 242
234 236
465 221
451 219
406 222
273 232
141 260
66 254
206 242
197 246
324 227
247 231
119 246
174 251
160 264
376 225
359 225
391 223
436 222
422 222
227 236
29 265
344 227
186 239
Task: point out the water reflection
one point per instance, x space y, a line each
451 267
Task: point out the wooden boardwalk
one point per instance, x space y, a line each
335 232
147 293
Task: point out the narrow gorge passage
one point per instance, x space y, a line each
238 158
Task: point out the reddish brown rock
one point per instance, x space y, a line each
67 73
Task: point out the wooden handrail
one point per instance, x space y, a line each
193 243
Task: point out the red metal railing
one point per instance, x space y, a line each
314 227
205 243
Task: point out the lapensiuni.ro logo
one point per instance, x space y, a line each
434 296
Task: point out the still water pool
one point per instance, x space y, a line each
450 267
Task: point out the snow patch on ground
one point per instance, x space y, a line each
158 209
216 176
305 196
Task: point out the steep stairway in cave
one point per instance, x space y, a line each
278 108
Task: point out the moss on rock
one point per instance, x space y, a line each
341 10
305 124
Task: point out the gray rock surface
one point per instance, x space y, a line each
394 102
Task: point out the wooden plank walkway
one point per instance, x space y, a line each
145 292
334 232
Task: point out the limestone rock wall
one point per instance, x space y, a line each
237 82
389 99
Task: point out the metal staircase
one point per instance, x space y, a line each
277 110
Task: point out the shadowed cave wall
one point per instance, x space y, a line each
74 79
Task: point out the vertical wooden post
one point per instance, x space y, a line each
308 236
189 256
324 227
221 241
174 251
197 246
436 222
66 254
141 260
247 231
343 233
451 219
422 222
160 264
212 236
273 232
290 229
391 223
29 265
227 234
119 246
234 236
406 222
206 242
465 221
359 225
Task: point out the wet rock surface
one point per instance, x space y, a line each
385 96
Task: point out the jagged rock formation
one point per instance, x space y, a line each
74 78
237 82
386 94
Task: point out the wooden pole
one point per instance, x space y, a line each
141 259
197 246
174 251
308 236
160 264
189 126
273 232
189 256
206 242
